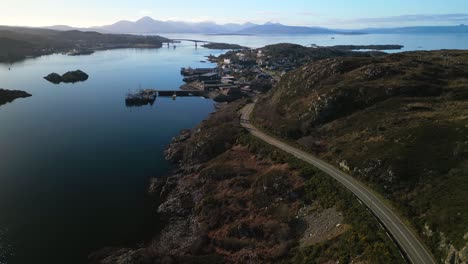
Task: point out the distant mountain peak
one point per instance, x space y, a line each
147 24
145 19
269 23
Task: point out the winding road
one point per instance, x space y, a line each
403 235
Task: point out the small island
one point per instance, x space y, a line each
368 47
69 77
223 46
8 96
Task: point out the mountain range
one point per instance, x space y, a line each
148 25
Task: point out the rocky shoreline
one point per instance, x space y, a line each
232 200
175 198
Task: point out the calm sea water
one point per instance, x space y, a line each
410 41
75 161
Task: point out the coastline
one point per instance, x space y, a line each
243 201
66 51
210 161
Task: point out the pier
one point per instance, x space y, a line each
181 93
148 96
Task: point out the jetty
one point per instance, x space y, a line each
182 93
198 71
148 96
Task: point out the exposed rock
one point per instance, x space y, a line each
74 76
175 151
452 257
183 136
54 78
463 255
321 226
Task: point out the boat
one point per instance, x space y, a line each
141 97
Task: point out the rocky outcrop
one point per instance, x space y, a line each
68 77
54 78
455 256
8 96
74 76
174 152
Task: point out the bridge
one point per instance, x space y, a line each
192 40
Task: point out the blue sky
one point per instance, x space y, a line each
329 13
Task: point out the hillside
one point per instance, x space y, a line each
271 28
19 43
398 122
150 25
419 30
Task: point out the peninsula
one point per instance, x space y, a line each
18 43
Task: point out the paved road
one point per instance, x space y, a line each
414 250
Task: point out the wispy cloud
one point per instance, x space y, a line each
308 14
268 13
145 12
422 18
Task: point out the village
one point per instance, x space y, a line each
245 72
240 73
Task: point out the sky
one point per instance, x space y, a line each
329 13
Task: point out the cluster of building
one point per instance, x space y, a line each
212 80
259 62
238 73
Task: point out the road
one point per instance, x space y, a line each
403 235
